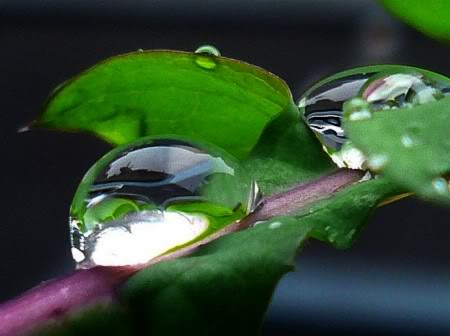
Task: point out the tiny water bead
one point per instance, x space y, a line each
143 200
441 186
206 56
377 162
412 137
208 50
364 92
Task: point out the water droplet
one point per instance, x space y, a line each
367 93
207 56
412 137
377 162
142 200
208 50
441 186
351 233
275 225
140 50
407 141
332 237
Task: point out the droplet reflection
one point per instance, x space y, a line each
142 200
207 56
366 93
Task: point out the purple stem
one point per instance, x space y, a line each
54 299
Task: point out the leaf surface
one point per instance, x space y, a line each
222 289
410 145
431 17
227 103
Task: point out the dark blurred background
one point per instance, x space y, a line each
396 278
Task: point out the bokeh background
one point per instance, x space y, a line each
396 278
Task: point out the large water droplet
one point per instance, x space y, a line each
367 93
206 56
140 201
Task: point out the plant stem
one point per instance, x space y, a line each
52 300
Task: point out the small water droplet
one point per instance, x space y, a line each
275 225
143 199
208 50
441 186
412 137
332 237
377 162
407 141
140 50
207 56
351 234
327 228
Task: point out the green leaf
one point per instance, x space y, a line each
226 286
227 103
168 93
431 17
411 146
288 153
338 220
223 289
